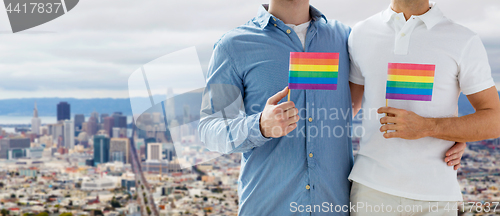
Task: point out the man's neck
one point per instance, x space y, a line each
290 11
410 7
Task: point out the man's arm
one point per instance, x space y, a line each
224 124
452 157
481 125
357 92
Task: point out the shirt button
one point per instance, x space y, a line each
403 34
397 18
308 187
310 155
274 19
310 119
275 25
288 31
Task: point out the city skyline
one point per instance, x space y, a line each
104 149
98 171
99 65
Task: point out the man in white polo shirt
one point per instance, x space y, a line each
397 171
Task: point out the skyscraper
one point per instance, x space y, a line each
101 149
103 116
92 126
147 141
35 122
95 115
63 111
56 130
120 121
154 152
120 150
69 134
116 132
169 151
84 127
108 125
79 119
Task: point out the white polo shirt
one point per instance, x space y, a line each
413 169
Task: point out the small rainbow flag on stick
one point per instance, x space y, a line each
410 82
313 71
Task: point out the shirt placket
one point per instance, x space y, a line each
403 30
309 97
311 33
297 45
310 119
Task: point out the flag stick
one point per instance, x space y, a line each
386 104
289 94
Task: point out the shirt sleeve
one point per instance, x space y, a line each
355 75
224 125
474 70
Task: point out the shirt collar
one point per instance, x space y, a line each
263 16
430 18
387 14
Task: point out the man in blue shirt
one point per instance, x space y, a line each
306 170
297 155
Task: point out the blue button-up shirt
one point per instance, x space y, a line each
305 171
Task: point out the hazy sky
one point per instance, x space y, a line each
91 51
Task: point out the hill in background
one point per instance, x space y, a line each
48 106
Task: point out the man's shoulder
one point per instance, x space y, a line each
333 27
448 26
238 34
336 25
369 23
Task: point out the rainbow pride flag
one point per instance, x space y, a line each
410 81
313 71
